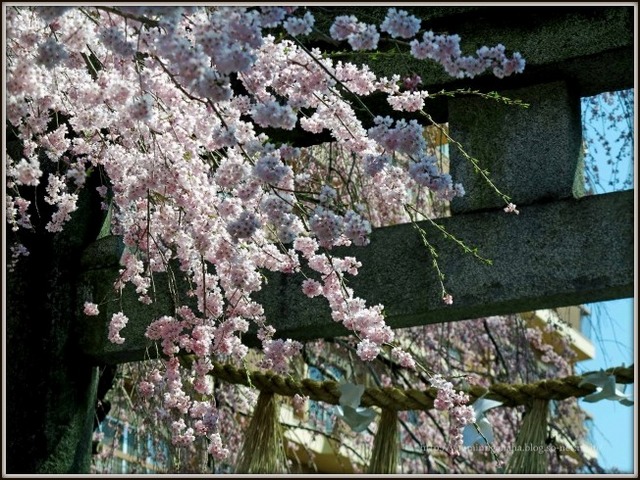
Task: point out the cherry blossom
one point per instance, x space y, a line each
398 23
90 309
118 322
172 111
511 208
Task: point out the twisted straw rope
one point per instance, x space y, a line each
393 398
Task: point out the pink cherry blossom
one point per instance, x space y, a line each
118 322
311 288
298 26
511 208
90 309
398 23
169 118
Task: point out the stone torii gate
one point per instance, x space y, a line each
562 249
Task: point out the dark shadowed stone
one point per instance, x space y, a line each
51 385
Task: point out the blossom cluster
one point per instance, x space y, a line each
444 49
460 412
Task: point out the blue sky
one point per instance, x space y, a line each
613 423
614 338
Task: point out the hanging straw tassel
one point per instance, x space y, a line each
384 458
263 449
530 455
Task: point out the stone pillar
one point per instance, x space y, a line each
532 154
50 385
